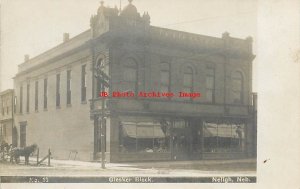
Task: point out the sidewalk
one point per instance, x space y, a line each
246 167
196 163
193 165
236 166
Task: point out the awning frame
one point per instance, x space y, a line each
149 130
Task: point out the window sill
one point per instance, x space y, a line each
58 107
69 105
45 109
84 102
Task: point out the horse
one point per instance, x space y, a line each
16 153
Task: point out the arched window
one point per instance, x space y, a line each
103 66
130 75
165 77
188 80
210 84
237 87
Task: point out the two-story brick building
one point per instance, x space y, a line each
58 103
7 116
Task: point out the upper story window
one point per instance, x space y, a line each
165 77
69 87
15 104
28 97
83 83
45 93
210 85
2 106
7 107
237 87
130 75
188 80
36 96
21 99
57 90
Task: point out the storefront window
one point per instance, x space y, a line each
147 137
224 137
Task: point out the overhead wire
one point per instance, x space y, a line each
208 18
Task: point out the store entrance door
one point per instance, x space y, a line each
181 140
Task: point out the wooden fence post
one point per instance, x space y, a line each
49 155
37 157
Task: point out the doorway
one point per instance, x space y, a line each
181 139
187 139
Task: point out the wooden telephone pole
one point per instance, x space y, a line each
104 82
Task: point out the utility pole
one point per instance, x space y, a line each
0 51
102 126
103 79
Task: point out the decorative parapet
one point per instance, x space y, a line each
228 43
238 46
186 38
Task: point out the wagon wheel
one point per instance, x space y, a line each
7 156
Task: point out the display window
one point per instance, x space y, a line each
223 137
146 137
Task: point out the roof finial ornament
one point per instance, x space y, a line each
130 1
102 3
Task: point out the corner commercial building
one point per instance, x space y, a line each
58 103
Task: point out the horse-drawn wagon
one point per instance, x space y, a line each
8 153
5 149
13 154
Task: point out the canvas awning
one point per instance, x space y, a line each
221 130
142 130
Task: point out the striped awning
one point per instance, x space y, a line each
222 130
142 130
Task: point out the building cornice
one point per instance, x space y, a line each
6 92
54 59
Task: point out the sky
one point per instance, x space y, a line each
34 26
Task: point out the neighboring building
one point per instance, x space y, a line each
7 116
0 50
53 90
